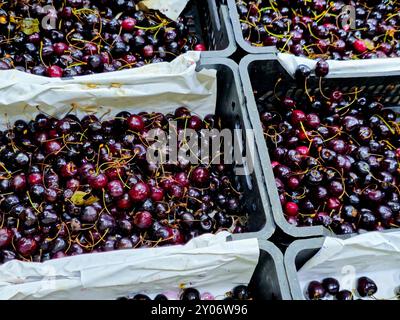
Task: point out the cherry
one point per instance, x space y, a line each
336 188
52 147
366 287
106 222
72 184
288 103
293 183
26 246
195 123
128 24
344 295
291 209
359 46
69 170
313 120
302 72
98 181
124 203
164 233
190 294
60 48
200 176
143 220
315 290
124 243
5 237
333 203
200 47
157 193
182 179
337 96
9 202
182 113
148 51
241 292
50 194
139 192
115 188
18 183
298 116
331 286
55 71
35 178
314 177
321 68
136 123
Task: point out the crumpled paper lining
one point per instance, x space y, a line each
347 68
209 263
373 254
160 87
170 8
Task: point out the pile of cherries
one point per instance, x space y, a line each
335 157
366 288
240 292
71 186
58 38
322 28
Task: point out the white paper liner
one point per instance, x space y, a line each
345 69
170 8
373 254
209 263
160 87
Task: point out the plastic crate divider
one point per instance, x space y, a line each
231 107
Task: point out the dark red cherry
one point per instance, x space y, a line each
136 123
200 176
143 220
26 246
55 71
98 181
298 116
190 294
366 287
124 203
331 285
315 290
321 68
157 193
69 170
115 188
128 24
5 237
291 209
139 192
344 295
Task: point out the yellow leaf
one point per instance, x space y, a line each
369 44
80 198
30 26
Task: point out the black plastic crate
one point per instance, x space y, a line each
258 74
269 278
